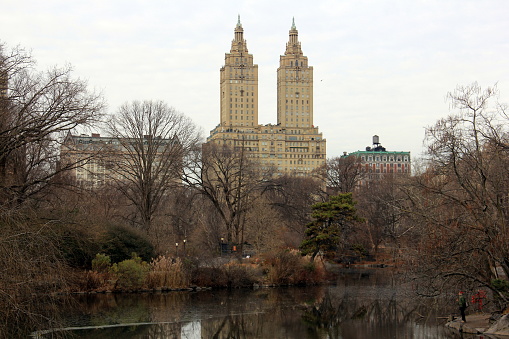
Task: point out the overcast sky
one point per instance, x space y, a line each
380 67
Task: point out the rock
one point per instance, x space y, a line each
500 327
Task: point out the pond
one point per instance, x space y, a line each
362 304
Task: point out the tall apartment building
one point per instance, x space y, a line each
377 161
98 160
92 155
294 145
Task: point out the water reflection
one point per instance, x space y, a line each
363 304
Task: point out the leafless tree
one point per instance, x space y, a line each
461 203
292 197
231 181
152 142
384 205
37 109
341 174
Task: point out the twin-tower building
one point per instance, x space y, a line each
293 145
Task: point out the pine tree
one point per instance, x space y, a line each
323 234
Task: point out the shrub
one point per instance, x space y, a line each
130 273
77 245
101 263
289 267
119 242
209 276
241 275
280 266
230 275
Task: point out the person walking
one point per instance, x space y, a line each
462 303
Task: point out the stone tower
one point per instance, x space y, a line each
239 84
294 85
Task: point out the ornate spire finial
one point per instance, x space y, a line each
293 23
238 22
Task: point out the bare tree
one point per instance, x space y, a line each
291 197
384 205
37 109
462 200
231 181
341 174
152 142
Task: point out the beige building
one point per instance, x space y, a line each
92 156
293 145
96 160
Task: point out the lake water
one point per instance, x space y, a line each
362 304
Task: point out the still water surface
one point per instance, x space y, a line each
362 304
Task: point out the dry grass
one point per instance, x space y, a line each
167 273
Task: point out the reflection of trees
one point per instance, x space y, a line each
331 313
361 305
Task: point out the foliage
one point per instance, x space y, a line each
240 275
209 276
231 275
101 263
131 273
119 242
331 219
77 244
501 285
360 250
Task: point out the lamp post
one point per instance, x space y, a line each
177 249
221 247
184 247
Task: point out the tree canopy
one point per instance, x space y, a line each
331 218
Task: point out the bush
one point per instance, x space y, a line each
280 266
230 275
131 273
289 267
241 275
101 263
77 245
209 276
119 242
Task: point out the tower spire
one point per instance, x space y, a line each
238 43
293 44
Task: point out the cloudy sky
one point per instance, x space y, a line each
380 67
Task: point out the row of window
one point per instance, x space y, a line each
297 102
294 72
384 158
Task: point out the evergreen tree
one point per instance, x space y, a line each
323 234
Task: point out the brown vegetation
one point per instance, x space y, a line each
185 216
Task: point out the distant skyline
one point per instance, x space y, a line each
380 67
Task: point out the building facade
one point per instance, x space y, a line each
95 160
91 158
293 146
377 161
